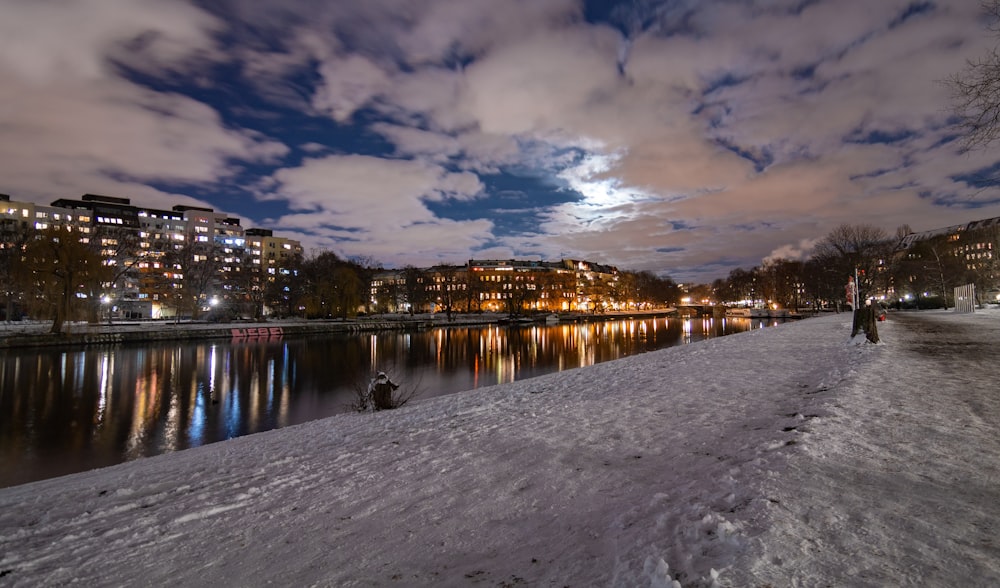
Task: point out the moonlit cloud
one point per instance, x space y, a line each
683 137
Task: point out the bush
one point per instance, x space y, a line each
929 302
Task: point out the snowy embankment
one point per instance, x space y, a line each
782 456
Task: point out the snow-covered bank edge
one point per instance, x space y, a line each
591 476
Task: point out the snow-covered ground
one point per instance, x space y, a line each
789 456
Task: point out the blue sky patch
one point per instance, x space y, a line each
516 205
879 136
981 178
913 10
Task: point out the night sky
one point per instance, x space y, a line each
685 137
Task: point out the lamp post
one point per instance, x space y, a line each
106 301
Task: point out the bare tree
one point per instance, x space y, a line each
333 288
450 286
781 281
14 237
120 251
366 268
863 248
657 291
415 288
245 284
742 285
284 292
472 287
198 266
626 289
976 91
63 267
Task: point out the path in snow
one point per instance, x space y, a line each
900 485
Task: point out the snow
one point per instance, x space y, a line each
788 456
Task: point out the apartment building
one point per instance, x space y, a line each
497 285
272 254
973 242
151 249
957 255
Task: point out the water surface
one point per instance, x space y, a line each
69 410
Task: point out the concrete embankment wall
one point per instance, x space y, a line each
74 334
146 332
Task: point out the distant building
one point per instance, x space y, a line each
150 249
970 252
974 242
498 285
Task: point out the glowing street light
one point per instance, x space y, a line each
106 301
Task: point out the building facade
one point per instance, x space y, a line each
178 262
498 285
937 260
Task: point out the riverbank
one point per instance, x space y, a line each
36 333
781 456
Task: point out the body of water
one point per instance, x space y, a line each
70 410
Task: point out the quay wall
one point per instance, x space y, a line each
13 335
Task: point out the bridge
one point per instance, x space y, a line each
700 310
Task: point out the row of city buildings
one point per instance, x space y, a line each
155 267
509 285
152 269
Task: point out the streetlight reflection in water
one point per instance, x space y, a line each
64 411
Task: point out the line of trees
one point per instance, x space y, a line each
925 274
63 276
67 275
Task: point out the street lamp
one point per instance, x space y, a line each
106 301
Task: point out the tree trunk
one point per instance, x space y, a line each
62 306
866 319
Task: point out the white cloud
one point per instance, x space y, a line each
544 83
794 251
75 136
72 125
474 26
351 185
55 41
348 84
377 207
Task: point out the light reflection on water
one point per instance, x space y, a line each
64 411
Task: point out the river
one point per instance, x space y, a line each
70 410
